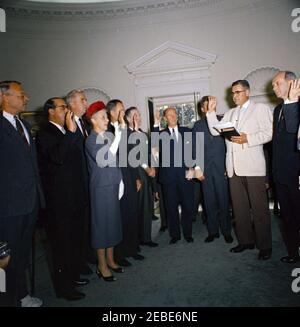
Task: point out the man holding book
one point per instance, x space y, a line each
246 167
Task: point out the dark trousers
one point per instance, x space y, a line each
18 232
162 206
216 201
89 254
145 208
65 232
248 196
289 200
129 212
175 194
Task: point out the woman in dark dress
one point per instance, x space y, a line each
105 191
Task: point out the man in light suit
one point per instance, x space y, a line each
286 159
20 191
246 168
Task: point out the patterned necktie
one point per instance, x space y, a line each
20 129
84 131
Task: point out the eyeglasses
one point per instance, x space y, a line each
237 92
63 106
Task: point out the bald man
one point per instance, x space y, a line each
286 159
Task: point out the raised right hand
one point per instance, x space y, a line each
212 103
157 117
70 121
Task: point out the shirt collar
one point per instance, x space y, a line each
245 105
175 128
8 116
61 128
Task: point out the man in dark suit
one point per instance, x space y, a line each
132 184
77 103
20 191
146 173
63 180
286 159
215 184
176 178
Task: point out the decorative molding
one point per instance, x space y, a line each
260 81
63 12
171 58
94 94
171 69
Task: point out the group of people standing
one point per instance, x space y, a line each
101 211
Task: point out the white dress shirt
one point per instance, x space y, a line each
241 113
175 131
61 128
11 119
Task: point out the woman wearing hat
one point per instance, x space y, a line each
105 190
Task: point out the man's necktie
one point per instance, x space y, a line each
281 115
20 129
84 131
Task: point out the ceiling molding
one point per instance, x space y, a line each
63 12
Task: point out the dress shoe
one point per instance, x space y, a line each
81 282
211 237
242 247
264 254
118 270
163 228
72 295
86 270
290 259
228 238
189 239
124 263
111 278
151 244
138 257
174 240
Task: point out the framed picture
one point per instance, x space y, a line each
36 119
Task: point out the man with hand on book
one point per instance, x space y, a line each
246 168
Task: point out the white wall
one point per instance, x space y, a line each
51 58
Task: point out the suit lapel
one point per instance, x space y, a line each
12 132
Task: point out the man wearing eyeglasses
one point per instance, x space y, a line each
20 191
60 161
246 168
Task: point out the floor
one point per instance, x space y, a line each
185 275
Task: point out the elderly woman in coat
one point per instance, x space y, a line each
106 188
